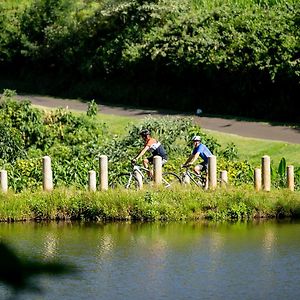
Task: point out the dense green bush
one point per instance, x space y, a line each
27 134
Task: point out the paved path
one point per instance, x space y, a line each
242 128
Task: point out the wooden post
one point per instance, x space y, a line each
223 178
139 178
157 168
186 179
290 178
266 173
3 181
103 166
257 179
92 181
212 172
47 174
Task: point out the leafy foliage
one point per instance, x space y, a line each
233 57
74 143
28 134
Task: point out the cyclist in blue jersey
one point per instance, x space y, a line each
202 151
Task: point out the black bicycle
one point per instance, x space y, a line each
139 176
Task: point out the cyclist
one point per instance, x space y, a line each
202 151
154 147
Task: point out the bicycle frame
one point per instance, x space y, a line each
193 177
139 175
139 170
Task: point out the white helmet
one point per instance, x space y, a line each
196 138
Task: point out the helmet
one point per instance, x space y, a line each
144 132
196 138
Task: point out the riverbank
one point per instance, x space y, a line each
238 203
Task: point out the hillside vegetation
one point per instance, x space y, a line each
75 141
237 57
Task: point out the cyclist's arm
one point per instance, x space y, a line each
192 158
144 150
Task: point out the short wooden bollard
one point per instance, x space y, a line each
103 166
3 181
139 179
224 178
212 172
47 174
266 173
157 168
257 179
92 181
290 178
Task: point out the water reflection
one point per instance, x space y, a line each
166 261
50 245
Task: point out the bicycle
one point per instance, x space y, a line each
187 177
131 180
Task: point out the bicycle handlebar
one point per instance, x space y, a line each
185 166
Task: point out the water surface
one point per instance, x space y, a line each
164 261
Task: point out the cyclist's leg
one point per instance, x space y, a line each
146 162
202 170
197 169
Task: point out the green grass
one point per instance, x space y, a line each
253 149
116 124
250 149
241 203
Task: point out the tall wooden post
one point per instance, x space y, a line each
266 173
47 174
157 168
3 181
290 178
103 166
212 172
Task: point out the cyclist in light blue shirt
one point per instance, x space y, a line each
199 150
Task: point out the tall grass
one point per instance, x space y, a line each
150 205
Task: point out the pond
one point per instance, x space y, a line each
257 260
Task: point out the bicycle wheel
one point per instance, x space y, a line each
125 180
170 179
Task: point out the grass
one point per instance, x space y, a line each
116 124
253 149
241 203
250 149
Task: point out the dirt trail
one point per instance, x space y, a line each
242 128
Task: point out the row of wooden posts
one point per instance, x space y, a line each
262 176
